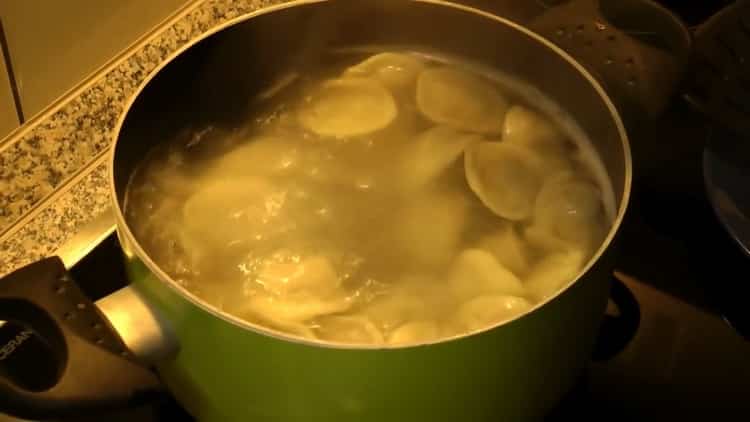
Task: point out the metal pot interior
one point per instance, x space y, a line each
210 82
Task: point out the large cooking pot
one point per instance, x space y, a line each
222 368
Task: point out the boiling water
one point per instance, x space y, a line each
399 199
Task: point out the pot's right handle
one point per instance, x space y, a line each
637 49
97 370
618 330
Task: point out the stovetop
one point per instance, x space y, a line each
689 358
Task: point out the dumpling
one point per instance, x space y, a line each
415 332
411 297
543 241
528 128
484 311
290 327
537 133
291 310
428 230
507 246
477 272
431 154
505 177
394 70
394 309
348 107
553 272
262 156
290 289
461 100
233 211
286 273
349 329
571 209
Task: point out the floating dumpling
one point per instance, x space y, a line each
349 329
394 70
262 156
477 272
528 128
571 209
429 228
415 332
505 177
460 99
298 328
543 241
296 309
431 154
507 246
290 289
411 297
225 212
286 274
483 311
553 272
348 107
393 310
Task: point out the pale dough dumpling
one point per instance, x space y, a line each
394 309
571 209
394 70
428 230
537 133
477 272
285 274
554 271
261 156
431 154
528 128
233 211
297 309
505 177
348 107
415 332
543 241
484 311
461 100
291 289
507 246
349 329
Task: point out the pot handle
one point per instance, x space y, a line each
637 49
617 330
96 370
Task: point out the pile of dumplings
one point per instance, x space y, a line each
401 200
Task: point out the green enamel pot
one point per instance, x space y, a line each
154 334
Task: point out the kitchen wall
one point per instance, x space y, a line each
8 115
54 45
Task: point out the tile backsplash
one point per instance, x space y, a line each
54 45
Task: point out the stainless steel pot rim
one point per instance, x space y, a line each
124 230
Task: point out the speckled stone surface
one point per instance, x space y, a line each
54 224
68 142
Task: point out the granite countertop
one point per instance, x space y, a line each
53 171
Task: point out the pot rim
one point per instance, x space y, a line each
123 228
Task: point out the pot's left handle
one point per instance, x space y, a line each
96 370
